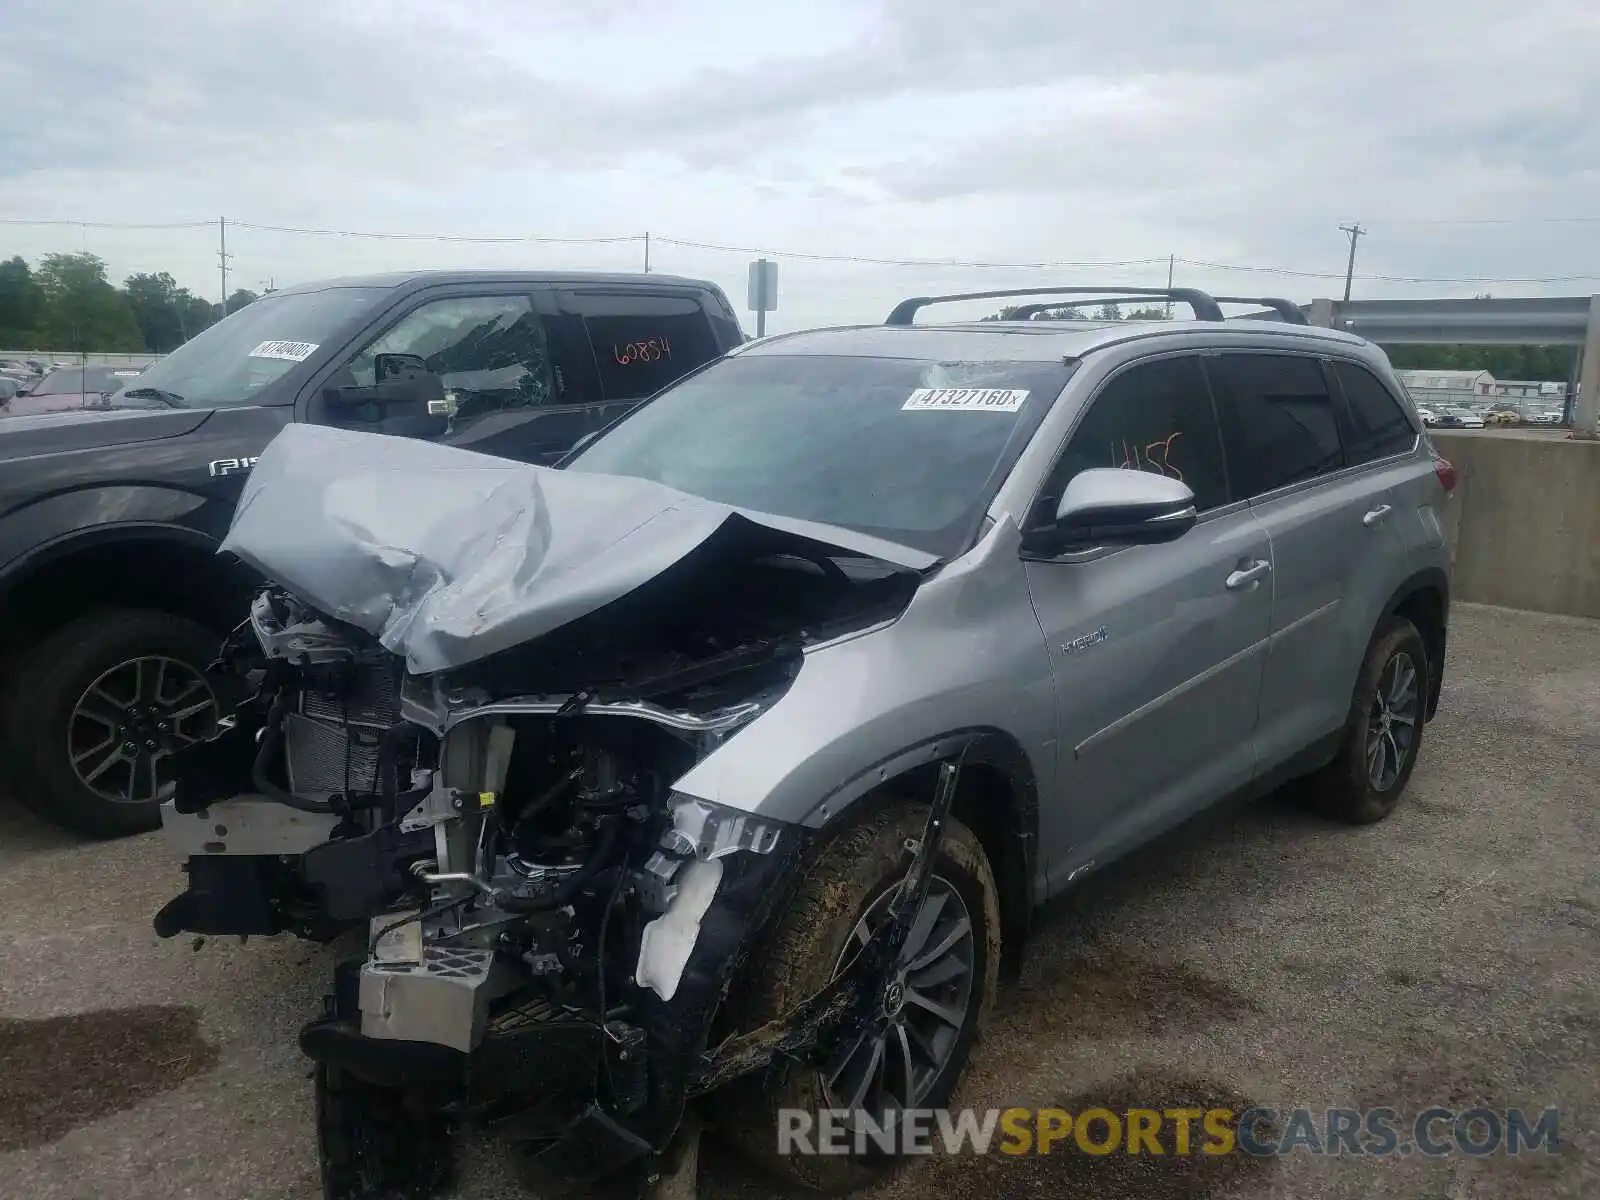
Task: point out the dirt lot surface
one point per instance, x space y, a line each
1448 957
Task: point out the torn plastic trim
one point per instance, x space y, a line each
669 940
680 882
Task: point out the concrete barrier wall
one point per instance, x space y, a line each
1524 523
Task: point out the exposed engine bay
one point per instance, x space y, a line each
550 927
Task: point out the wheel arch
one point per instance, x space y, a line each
152 565
997 797
1424 600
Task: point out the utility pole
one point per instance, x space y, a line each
1171 260
647 252
222 259
1355 231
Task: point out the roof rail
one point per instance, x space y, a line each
1205 308
1287 309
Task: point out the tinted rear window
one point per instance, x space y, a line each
643 343
1376 424
1278 422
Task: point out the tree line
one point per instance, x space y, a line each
67 303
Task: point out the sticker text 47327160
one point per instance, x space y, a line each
965 400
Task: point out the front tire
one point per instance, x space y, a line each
917 1051
96 708
1383 733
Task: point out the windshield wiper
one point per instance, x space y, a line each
170 399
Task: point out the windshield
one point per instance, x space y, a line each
73 381
236 358
907 450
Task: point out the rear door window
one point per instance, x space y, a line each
644 342
1279 426
1375 424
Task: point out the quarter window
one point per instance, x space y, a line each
1376 425
1278 421
1155 416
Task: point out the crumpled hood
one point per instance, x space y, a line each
447 556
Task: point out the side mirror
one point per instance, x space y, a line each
1114 506
407 399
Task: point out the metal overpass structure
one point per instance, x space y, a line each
1531 321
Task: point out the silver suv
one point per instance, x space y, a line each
721 768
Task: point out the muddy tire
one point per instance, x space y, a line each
931 1025
370 1144
1383 733
89 691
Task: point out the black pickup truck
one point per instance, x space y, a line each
112 596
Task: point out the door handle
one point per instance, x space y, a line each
1245 576
1376 516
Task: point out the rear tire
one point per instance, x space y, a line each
1383 733
849 877
113 693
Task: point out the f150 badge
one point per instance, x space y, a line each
1087 640
232 466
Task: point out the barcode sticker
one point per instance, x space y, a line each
289 351
965 400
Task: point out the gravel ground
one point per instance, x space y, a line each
1446 957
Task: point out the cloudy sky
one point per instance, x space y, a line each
1067 133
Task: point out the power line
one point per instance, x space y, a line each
441 237
811 256
1490 221
108 224
814 256
1463 279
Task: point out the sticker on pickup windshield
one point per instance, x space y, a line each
965 400
288 351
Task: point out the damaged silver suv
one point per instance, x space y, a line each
719 770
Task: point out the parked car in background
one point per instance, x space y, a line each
21 372
1429 417
8 392
1459 418
1502 416
110 515
1548 417
71 388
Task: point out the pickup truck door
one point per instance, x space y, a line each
511 373
640 339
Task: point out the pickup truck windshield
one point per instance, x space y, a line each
906 450
230 363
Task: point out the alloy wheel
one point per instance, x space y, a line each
894 1062
131 717
1392 721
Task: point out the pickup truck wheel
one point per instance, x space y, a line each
96 709
915 1050
1383 733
